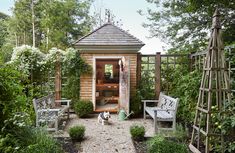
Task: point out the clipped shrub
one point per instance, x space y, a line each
137 132
83 108
159 144
77 132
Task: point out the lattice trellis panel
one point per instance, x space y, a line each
214 92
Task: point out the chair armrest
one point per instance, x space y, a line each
48 110
63 101
150 101
159 109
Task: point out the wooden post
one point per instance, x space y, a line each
158 74
58 79
138 71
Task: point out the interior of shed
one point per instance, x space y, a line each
107 85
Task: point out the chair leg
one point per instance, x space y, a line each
68 114
144 114
155 122
144 110
174 125
56 125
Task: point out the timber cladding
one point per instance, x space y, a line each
86 84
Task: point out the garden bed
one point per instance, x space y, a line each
68 145
140 146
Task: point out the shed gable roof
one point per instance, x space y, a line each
109 35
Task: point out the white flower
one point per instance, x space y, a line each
27 57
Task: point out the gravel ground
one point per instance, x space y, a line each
109 138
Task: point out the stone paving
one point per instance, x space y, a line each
109 138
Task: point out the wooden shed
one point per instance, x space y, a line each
112 53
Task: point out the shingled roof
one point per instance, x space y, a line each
109 35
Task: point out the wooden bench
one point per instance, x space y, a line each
164 111
49 111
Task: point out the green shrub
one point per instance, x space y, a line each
77 132
43 143
137 132
179 135
185 86
29 140
136 104
159 144
83 108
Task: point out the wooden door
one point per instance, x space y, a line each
124 85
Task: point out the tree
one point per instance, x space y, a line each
46 24
3 34
3 28
186 23
62 22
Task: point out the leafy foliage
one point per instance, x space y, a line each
63 22
144 91
83 108
29 140
226 125
28 60
12 96
186 23
3 28
136 104
186 88
73 67
56 24
77 132
16 117
137 132
146 86
159 144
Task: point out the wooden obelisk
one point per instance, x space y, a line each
214 92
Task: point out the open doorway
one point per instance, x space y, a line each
107 85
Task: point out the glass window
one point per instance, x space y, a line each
144 59
108 70
151 66
152 59
144 66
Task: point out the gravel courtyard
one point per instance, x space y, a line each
110 138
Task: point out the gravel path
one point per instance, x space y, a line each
110 138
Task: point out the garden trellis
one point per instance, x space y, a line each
159 67
214 93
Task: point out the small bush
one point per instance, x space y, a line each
137 132
77 132
159 144
83 108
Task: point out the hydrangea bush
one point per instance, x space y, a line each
55 55
27 59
